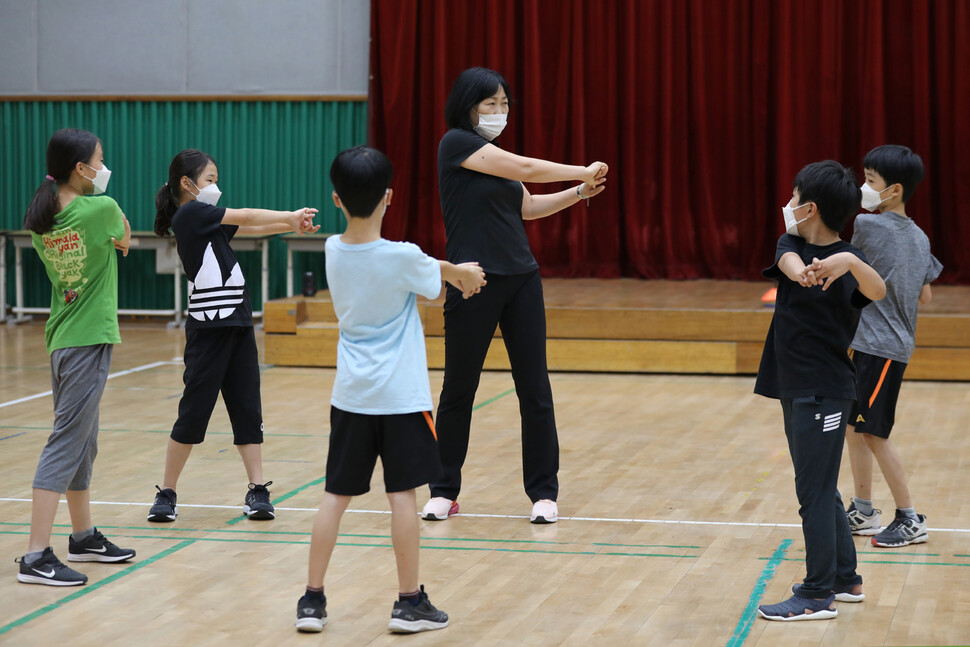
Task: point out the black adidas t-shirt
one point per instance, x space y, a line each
218 295
806 350
482 213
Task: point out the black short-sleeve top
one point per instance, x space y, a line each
218 294
482 213
806 350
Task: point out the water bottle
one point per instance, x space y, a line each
309 285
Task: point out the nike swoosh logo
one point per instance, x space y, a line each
48 574
103 549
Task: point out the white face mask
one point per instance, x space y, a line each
100 179
491 126
790 222
208 194
871 199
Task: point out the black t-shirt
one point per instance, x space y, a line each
806 351
483 213
218 295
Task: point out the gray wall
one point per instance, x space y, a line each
184 47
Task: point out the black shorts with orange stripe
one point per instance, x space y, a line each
877 387
406 442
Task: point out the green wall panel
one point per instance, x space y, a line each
271 154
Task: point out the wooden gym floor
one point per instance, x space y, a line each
677 503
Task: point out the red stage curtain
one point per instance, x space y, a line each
704 109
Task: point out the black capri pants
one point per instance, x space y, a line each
220 359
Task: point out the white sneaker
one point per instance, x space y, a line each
439 508
545 511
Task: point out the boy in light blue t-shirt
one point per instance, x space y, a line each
381 399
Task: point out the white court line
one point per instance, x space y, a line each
507 516
112 375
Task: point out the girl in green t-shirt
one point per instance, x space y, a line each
75 234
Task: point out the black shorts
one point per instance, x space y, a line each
877 388
406 443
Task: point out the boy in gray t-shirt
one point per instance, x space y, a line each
899 250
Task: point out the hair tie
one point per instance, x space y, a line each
50 178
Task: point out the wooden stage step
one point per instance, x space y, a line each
625 325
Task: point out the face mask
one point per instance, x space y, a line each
790 222
101 177
871 198
491 126
208 195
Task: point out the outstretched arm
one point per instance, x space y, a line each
493 160
467 277
265 221
828 270
540 206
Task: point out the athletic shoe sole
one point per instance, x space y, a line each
818 615
163 518
310 625
452 511
906 542
867 532
541 519
95 557
258 515
399 626
33 579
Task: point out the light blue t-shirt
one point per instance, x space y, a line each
382 365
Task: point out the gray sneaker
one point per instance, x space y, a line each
863 524
903 531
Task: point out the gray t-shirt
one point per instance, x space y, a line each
900 252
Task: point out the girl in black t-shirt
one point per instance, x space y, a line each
220 348
484 204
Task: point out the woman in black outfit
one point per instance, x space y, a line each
484 203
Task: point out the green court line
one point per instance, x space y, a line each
163 431
883 561
746 622
91 588
306 542
283 497
493 399
361 535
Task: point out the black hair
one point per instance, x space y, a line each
834 190
189 163
896 165
472 86
361 176
65 149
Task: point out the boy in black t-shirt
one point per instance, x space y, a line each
823 283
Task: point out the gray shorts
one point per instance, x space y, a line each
78 376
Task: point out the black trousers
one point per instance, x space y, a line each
514 304
815 428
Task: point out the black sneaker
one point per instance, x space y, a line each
164 508
49 570
407 618
96 548
257 502
903 531
311 615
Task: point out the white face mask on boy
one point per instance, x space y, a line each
871 199
790 221
491 126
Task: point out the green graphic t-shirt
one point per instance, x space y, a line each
82 266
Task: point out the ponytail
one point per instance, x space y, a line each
189 163
166 204
44 206
65 149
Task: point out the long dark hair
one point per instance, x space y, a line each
472 86
65 149
189 163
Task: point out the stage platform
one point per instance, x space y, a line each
634 326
